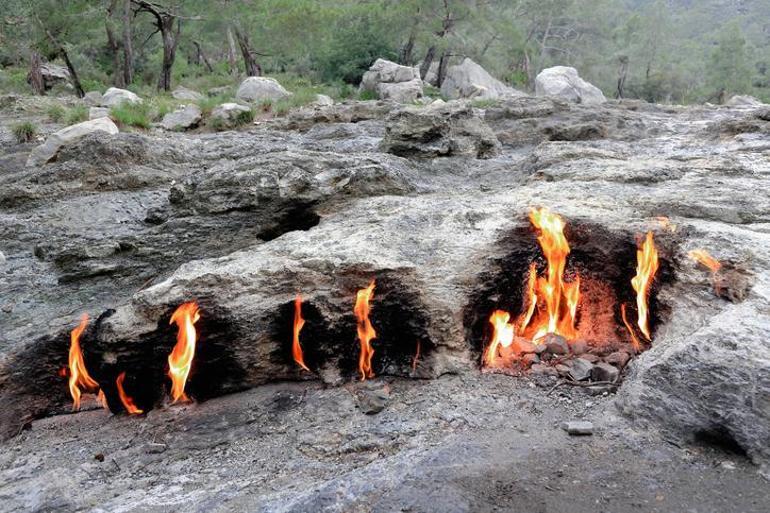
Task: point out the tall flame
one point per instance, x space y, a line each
79 377
646 267
560 298
181 357
365 330
502 334
703 257
296 348
128 403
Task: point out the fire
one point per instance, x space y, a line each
181 357
560 299
634 341
128 403
79 377
365 330
102 399
502 334
296 348
646 267
703 257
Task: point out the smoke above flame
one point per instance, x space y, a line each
299 322
646 267
79 377
181 357
365 330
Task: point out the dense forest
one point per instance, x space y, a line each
679 51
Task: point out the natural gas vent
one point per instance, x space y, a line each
568 291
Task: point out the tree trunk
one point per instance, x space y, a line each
443 62
73 74
128 48
200 56
622 73
35 76
407 49
427 61
113 47
170 40
232 59
252 67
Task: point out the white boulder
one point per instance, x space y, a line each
743 100
564 82
114 96
391 81
323 100
228 114
259 89
469 80
182 93
98 112
93 98
48 150
184 118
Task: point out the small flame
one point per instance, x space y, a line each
666 223
416 358
560 298
502 334
296 348
365 330
79 377
703 257
128 403
102 399
634 341
181 357
646 267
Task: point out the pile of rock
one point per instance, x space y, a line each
391 81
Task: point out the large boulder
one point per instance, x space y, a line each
469 80
183 118
439 130
48 150
182 93
53 74
93 98
564 82
743 100
98 112
260 89
391 81
114 96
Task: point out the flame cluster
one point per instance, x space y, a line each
551 302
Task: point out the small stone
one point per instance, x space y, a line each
581 369
599 390
544 370
603 371
578 427
563 370
522 346
556 344
539 348
579 347
155 448
372 400
530 359
99 457
589 357
618 358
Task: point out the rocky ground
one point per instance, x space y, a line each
431 202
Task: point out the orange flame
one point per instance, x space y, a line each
128 403
102 399
181 357
560 298
296 348
646 267
502 334
634 341
79 377
365 330
703 257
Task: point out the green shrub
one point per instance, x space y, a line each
367 95
24 132
484 103
55 112
208 103
244 118
76 114
133 114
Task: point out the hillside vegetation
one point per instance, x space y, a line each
679 51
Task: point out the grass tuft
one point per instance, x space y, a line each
24 132
76 114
